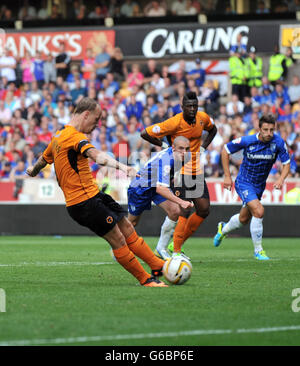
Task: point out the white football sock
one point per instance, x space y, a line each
233 224
166 233
256 230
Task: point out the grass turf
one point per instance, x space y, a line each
61 289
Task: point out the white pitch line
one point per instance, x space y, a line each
197 332
53 264
69 263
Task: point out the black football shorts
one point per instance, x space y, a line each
99 213
191 187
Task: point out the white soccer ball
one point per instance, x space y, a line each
177 270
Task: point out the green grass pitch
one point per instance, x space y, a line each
69 291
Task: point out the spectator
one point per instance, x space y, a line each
211 98
78 92
280 91
6 14
113 8
151 105
117 65
99 12
87 64
62 61
18 173
10 101
35 94
55 12
73 76
197 74
126 9
61 112
27 11
7 66
266 97
135 77
168 91
134 108
82 12
239 47
137 12
155 9
134 139
160 115
5 170
45 135
189 8
294 89
43 11
157 82
235 106
37 146
50 72
178 7
120 148
101 64
210 169
27 66
38 69
261 8
5 113
149 70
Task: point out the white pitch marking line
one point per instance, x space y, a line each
32 342
51 264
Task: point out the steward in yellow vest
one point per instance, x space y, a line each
254 65
278 65
238 75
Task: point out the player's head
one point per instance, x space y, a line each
181 149
88 113
267 127
190 106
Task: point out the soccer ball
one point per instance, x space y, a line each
177 270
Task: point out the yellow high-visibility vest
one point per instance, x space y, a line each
237 70
255 71
275 67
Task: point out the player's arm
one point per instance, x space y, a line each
101 158
166 193
33 171
225 163
284 173
211 134
285 160
156 132
153 140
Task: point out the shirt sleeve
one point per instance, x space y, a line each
164 166
236 145
81 143
208 122
47 154
283 153
168 127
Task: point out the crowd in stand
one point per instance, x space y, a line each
38 96
99 9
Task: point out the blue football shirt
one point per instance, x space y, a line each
158 170
258 157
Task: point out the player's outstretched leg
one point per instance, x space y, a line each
256 230
219 236
125 256
225 228
166 233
